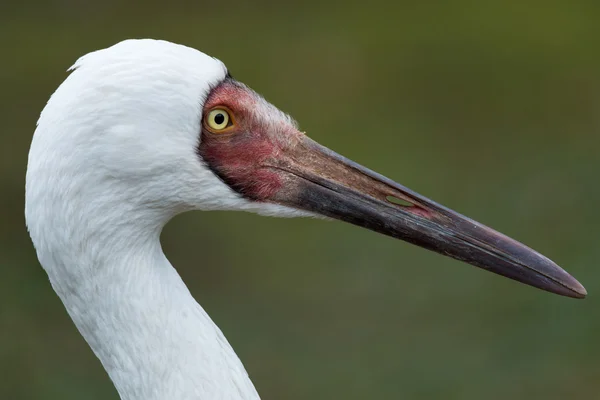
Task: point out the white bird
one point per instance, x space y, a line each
145 130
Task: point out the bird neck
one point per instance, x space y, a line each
131 306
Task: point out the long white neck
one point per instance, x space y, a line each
113 158
154 340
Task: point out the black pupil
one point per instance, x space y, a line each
219 119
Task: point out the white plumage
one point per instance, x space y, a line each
112 161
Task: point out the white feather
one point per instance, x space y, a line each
112 160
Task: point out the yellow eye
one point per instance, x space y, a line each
218 119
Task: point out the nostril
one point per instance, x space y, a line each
399 201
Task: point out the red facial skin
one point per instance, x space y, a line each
241 154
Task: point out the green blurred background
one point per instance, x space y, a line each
491 108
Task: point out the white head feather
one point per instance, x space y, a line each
112 160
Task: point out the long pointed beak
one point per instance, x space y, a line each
320 181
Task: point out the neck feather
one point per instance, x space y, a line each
131 306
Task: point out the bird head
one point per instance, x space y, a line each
163 127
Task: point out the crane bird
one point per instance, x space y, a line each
147 129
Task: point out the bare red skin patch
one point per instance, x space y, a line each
241 154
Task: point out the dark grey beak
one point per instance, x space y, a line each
321 181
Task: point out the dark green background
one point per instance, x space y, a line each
492 108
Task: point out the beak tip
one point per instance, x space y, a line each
579 290
572 288
549 276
